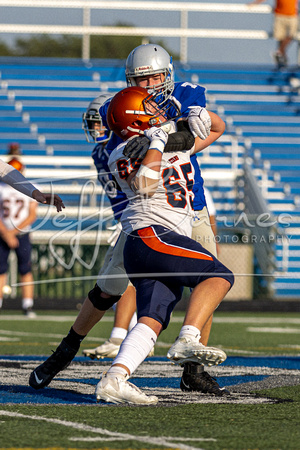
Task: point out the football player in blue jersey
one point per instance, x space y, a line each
148 66
125 316
95 131
158 224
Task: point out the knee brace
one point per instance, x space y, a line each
101 303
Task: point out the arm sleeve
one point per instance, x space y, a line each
15 179
190 95
102 111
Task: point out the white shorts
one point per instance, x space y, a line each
113 279
202 231
284 27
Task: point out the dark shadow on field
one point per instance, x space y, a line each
27 395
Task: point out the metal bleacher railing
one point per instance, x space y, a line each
184 33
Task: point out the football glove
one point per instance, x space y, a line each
158 138
137 147
199 121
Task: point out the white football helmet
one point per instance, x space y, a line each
92 123
150 59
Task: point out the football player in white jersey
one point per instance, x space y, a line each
159 255
125 315
17 213
12 177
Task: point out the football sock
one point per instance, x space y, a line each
73 339
191 367
190 331
132 322
136 347
27 303
116 370
118 333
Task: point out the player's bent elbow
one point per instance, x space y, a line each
146 187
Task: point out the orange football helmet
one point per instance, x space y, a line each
133 110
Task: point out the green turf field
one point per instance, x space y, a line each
262 370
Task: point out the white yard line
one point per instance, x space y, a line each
179 319
47 335
124 436
257 319
48 318
9 339
242 352
97 439
285 330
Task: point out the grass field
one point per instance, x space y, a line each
262 372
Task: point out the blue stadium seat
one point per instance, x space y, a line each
42 101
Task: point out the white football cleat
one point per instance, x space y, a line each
151 353
29 313
116 389
191 350
109 349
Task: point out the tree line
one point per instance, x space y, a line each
68 46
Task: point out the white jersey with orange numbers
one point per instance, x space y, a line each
14 207
172 203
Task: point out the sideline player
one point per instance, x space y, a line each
17 213
15 179
159 255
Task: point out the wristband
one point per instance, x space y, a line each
157 144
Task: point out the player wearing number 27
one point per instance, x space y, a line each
17 213
160 257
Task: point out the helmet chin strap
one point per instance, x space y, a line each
135 130
95 134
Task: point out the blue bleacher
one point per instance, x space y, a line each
42 101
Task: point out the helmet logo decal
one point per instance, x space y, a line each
143 68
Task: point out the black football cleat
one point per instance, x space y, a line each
59 360
195 379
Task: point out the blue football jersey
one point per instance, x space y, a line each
185 94
188 94
116 197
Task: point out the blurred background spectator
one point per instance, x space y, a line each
17 213
285 27
14 149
